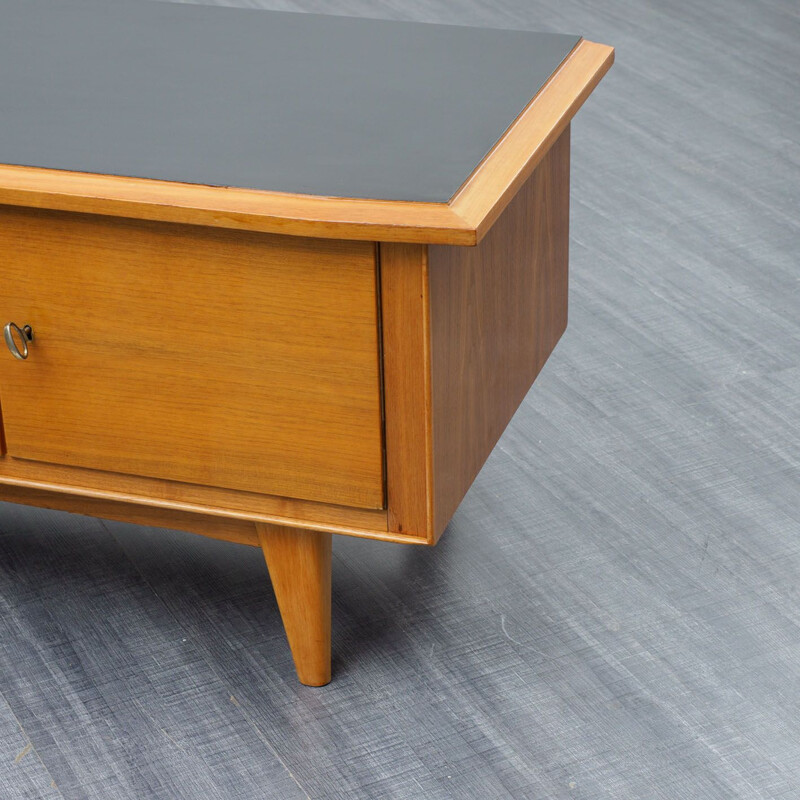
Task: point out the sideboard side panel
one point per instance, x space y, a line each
497 311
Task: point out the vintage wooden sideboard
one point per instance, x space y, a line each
271 277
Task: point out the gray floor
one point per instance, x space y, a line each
615 610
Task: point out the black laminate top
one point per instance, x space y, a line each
256 99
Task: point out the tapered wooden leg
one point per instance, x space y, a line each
299 564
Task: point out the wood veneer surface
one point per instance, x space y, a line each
496 313
233 360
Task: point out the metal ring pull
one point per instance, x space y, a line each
25 335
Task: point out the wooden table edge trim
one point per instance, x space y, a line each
230 207
462 221
497 179
208 511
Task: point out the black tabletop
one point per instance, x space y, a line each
270 100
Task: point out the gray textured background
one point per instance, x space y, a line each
614 611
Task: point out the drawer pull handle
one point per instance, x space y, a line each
24 334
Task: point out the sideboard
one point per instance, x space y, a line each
271 277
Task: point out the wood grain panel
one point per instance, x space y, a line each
407 390
236 360
190 498
231 530
497 311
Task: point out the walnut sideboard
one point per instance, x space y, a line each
271 277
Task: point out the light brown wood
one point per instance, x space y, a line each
229 359
464 332
501 174
210 500
251 366
497 311
407 392
217 527
299 564
223 207
463 221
